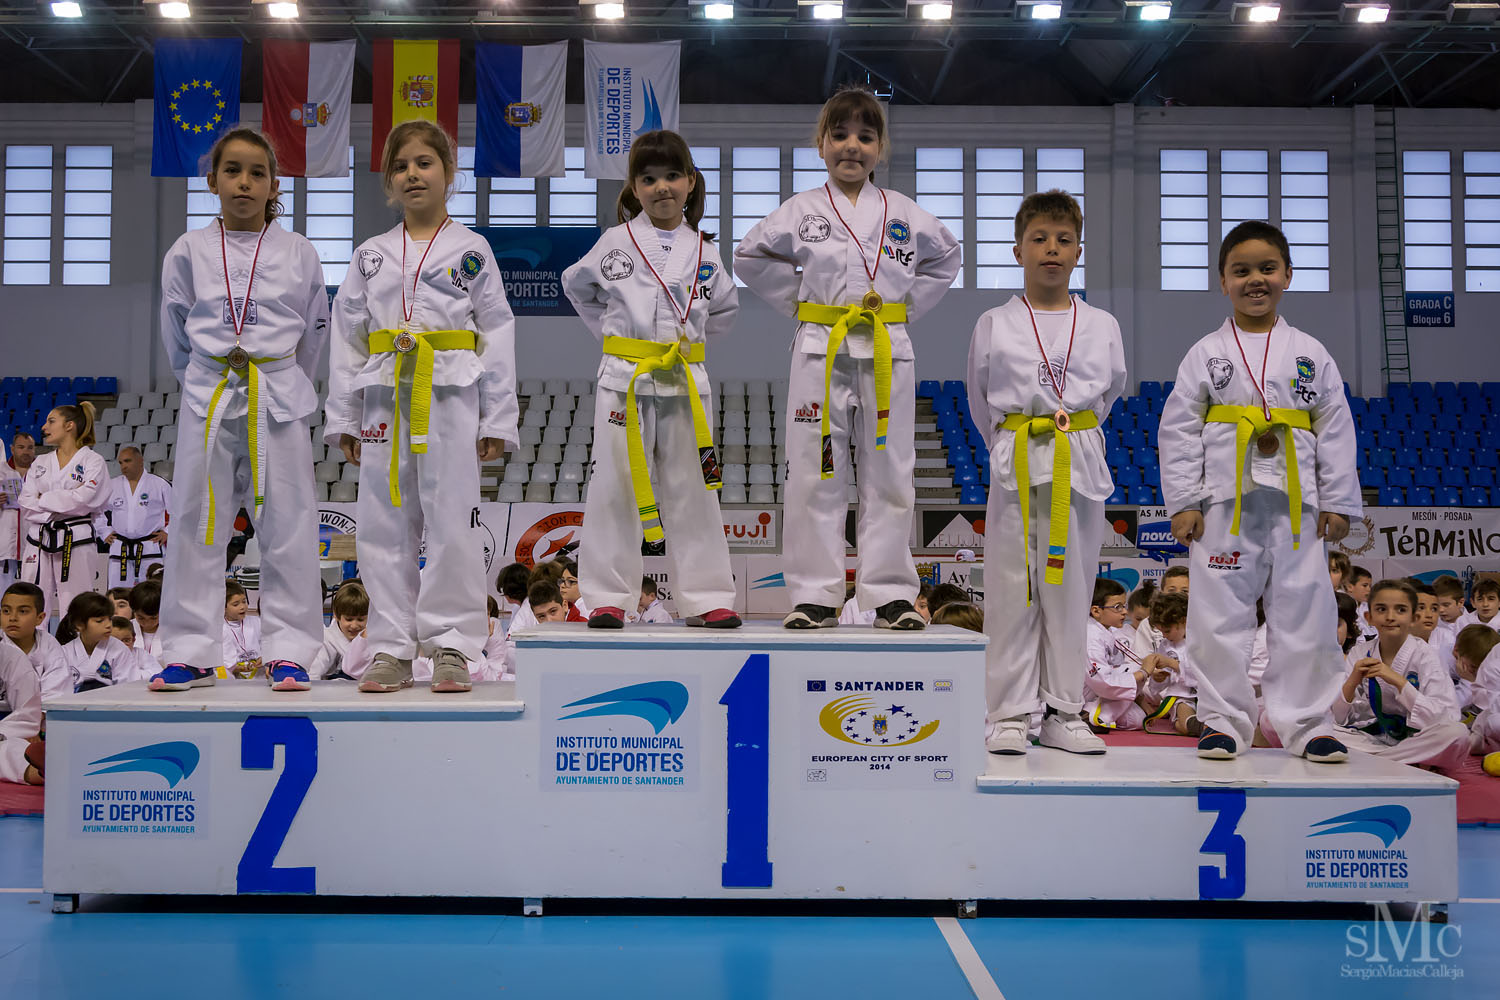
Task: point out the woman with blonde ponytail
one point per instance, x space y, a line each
65 488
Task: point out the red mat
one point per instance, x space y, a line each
20 800
1478 793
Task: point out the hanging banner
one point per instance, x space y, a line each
628 90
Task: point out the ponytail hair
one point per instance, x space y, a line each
247 134
663 148
81 416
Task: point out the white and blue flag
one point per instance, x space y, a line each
519 109
628 90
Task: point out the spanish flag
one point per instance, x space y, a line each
413 79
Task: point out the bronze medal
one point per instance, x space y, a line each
239 359
872 300
1062 420
1267 444
405 342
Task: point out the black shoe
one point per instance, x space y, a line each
1214 745
607 618
899 615
1325 750
811 616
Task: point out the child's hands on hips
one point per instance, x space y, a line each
350 447
1187 526
490 449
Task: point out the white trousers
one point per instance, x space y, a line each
1445 746
45 569
816 509
609 570
1040 650
418 611
291 595
1229 573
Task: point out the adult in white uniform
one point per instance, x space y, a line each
242 308
134 519
21 689
850 256
653 289
1254 520
65 489
423 337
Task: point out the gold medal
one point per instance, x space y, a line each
872 300
1267 444
1061 419
239 359
405 342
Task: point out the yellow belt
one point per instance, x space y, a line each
1251 420
840 319
424 345
1024 425
650 356
256 425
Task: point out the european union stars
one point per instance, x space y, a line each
206 106
881 726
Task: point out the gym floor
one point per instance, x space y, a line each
185 947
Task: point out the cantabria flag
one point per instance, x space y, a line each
519 109
305 107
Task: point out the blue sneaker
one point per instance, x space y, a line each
180 677
1214 745
1326 750
284 675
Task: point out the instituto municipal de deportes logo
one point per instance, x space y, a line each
660 703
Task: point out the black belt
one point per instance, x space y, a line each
48 539
132 550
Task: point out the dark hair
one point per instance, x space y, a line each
662 148
1173 572
1104 589
1474 644
118 593
81 417
513 581
856 103
88 605
156 571
1141 598
1247 231
946 593
120 621
544 592
550 570
962 614
1401 585
924 593
29 590
1338 561
1359 573
234 588
1422 589
491 606
1449 586
1168 610
145 597
246 134
648 586
567 565
351 601
1488 585
1349 612
1054 206
18 435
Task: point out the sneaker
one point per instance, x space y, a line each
899 615
717 618
1070 733
450 672
1214 745
180 677
811 616
284 675
386 674
607 618
1325 750
1008 736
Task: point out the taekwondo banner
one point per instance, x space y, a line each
305 107
520 97
413 79
628 90
196 96
532 259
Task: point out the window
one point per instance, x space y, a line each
86 200
808 169
706 159
1062 169
572 199
1244 188
999 186
1481 222
940 189
1427 220
512 201
755 183
328 209
1184 220
1304 216
28 215
463 206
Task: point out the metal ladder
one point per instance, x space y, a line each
1397 367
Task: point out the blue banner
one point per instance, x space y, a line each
532 259
197 96
1429 308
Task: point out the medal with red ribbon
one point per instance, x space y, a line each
1060 418
238 357
872 299
1267 443
405 342
680 313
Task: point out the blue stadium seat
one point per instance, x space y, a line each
1387 440
1118 496
1374 476
1419 496
12 384
1152 476
60 384
1488 440
1399 475
1491 392
1137 405
83 385
36 384
1408 457
1418 389
1392 496
956 388
1434 458
1399 391
965 475
1428 477
928 387
953 437
107 385
972 495
1152 390
1476 496
1452 474
1357 409
1134 438
1445 389
1483 475
1442 438
1116 456
984 472
1129 475
1450 496
1143 495
1365 437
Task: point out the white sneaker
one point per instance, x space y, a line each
1070 733
1008 736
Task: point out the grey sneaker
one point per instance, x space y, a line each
450 672
386 674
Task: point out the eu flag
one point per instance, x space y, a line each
197 96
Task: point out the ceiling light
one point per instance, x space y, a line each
66 10
174 10
825 11
1041 10
1148 10
932 11
1255 13
1473 13
285 11
609 11
1365 13
718 11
